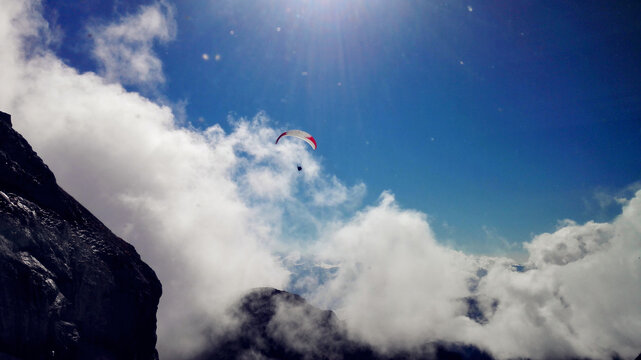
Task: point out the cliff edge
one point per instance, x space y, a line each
69 287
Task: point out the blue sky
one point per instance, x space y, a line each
449 135
496 119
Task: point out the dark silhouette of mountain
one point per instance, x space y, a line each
69 287
276 324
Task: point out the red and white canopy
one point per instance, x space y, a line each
301 135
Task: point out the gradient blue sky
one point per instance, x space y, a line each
497 119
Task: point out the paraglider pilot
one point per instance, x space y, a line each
301 135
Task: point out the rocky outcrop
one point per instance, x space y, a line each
276 324
69 287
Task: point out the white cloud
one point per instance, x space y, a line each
125 50
570 243
581 302
207 209
189 201
397 287
334 193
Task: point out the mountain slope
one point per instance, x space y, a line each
69 287
276 324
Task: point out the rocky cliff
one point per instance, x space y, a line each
69 287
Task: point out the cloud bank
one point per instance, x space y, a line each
209 210
577 296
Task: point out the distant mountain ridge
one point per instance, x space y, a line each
69 287
276 324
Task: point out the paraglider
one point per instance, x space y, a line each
301 135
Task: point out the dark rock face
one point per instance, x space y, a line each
69 287
276 324
279 325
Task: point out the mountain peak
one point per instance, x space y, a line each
276 324
4 117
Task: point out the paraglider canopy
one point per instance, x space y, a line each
301 135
